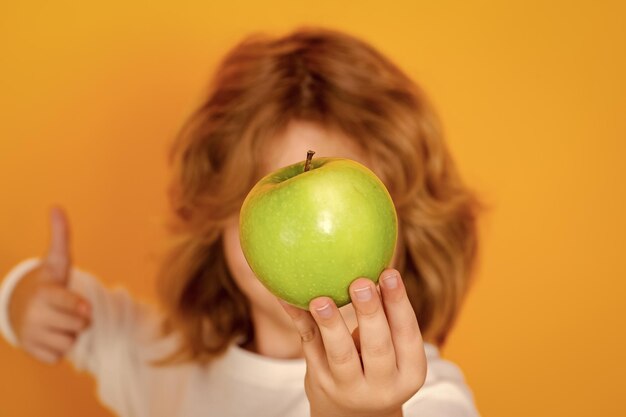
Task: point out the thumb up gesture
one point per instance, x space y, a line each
45 314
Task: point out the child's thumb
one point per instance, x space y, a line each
58 260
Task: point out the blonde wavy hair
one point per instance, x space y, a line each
336 80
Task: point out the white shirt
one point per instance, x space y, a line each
118 347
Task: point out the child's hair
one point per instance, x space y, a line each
340 82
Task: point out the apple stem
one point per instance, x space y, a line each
307 164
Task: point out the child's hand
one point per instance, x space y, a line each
392 366
45 315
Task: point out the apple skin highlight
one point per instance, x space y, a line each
310 234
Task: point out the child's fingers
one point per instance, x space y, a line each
343 358
56 341
309 333
58 259
377 351
68 302
405 332
43 354
62 321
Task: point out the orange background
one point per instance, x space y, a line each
533 98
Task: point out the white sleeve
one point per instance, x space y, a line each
444 394
6 289
108 348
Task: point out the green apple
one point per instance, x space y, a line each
310 232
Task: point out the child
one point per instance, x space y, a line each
222 345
